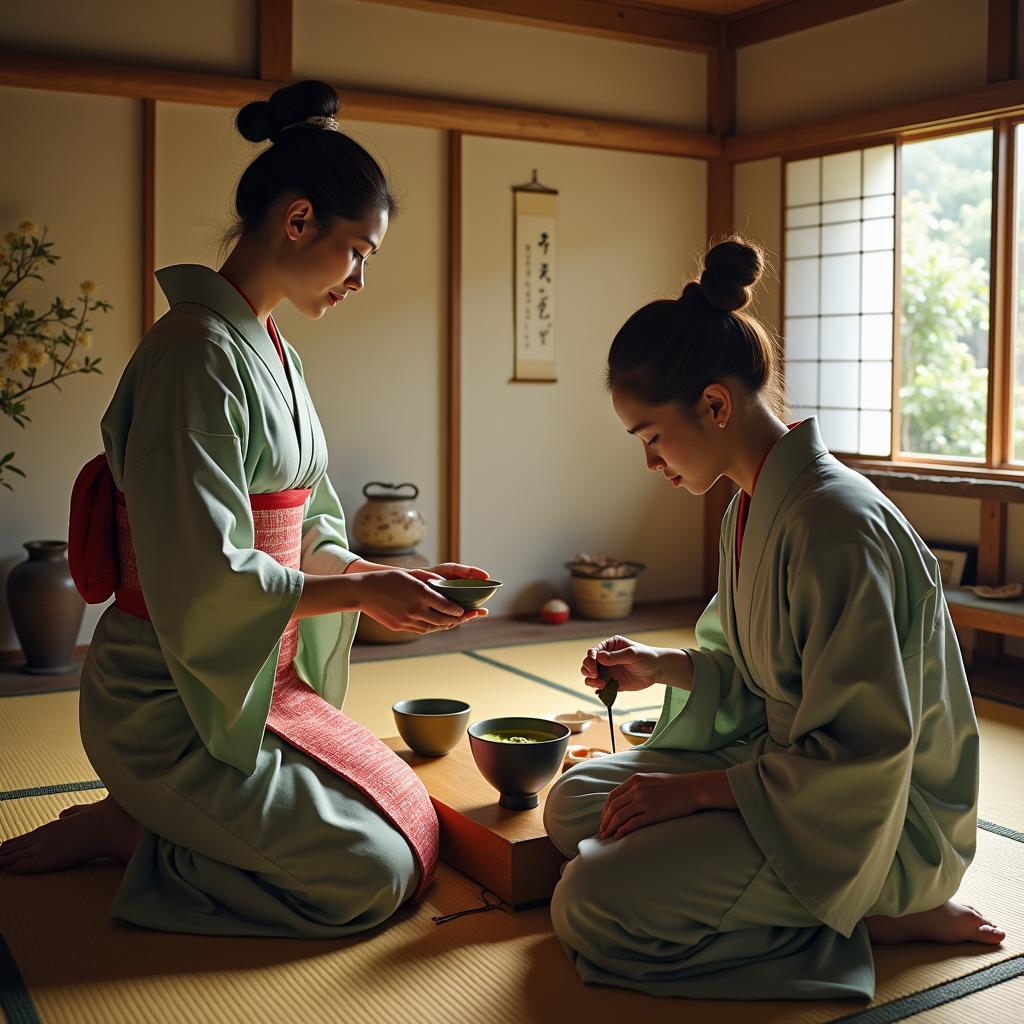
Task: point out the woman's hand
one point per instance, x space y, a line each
636 666
400 600
650 797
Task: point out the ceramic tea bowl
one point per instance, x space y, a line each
469 594
431 725
518 770
638 730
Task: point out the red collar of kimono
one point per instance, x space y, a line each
744 505
271 326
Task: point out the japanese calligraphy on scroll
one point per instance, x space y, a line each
535 281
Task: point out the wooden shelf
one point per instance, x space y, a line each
972 612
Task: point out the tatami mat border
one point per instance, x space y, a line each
60 787
36 693
15 1001
547 682
1001 830
938 995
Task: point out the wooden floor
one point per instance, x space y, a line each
1001 681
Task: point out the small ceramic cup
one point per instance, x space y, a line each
469 594
639 730
431 725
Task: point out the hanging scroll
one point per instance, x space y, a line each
535 281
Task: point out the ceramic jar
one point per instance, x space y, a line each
600 597
388 523
46 609
370 631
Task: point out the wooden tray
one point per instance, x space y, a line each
506 851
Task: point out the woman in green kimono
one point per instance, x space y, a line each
225 827
811 785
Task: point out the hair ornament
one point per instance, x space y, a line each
328 124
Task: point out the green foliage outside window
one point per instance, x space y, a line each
946 235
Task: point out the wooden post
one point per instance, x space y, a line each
721 122
274 40
148 212
1002 40
453 421
1002 66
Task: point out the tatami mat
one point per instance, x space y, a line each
1002 763
80 967
998 1004
39 741
490 690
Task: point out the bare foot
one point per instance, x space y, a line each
82 833
952 922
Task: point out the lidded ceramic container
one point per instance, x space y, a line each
388 523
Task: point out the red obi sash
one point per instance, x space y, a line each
102 562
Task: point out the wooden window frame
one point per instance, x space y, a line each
998 464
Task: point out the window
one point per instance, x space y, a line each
946 240
840 238
887 307
1017 449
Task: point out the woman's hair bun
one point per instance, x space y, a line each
731 269
289 105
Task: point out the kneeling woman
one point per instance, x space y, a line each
242 801
823 724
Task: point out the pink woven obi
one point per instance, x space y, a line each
298 715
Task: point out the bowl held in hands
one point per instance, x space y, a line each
469 594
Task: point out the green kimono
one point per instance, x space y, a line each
245 835
828 684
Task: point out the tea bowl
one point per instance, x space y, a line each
519 771
639 730
431 725
469 594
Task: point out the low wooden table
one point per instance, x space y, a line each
506 851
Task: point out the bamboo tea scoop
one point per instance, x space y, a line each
608 694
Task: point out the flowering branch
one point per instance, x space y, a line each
38 349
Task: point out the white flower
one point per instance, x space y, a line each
37 357
26 227
84 340
73 366
15 361
88 287
22 345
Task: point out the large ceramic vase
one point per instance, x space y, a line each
46 609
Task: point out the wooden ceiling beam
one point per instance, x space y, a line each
628 22
999 99
31 72
783 17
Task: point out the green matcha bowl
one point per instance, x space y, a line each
431 725
469 594
518 770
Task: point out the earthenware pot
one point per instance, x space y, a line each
388 523
599 597
46 609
